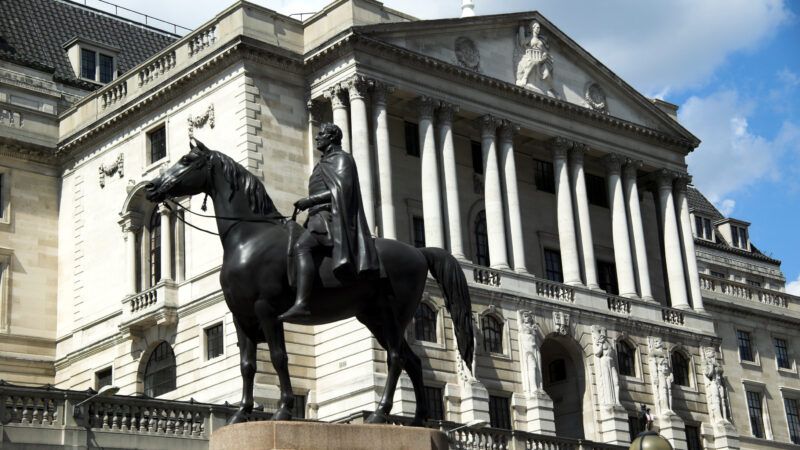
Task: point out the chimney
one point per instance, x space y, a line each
467 8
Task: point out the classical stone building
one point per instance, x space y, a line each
594 266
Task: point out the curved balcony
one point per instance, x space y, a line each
155 306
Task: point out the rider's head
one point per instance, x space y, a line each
328 134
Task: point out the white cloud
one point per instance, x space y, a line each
731 157
793 287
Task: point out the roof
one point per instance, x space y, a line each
699 203
33 34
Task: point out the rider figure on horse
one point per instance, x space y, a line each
336 222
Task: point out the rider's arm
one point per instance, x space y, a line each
317 199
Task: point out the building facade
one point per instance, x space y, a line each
563 192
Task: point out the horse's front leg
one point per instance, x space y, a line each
247 355
273 331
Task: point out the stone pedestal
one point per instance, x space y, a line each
614 425
725 436
539 414
327 436
672 428
474 402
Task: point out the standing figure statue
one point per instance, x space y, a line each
535 61
529 346
715 388
605 367
663 384
336 222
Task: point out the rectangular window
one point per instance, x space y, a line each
708 230
215 344
607 277
793 419
698 226
634 427
745 345
106 68
419 231
499 412
703 228
299 409
552 265
88 64
693 437
103 378
782 354
157 140
735 236
412 138
544 176
718 275
434 398
477 157
756 413
742 238
596 190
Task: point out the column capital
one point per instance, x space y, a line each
681 181
314 109
380 91
357 87
337 94
663 179
131 221
577 151
425 105
631 167
613 163
507 130
560 146
487 125
446 112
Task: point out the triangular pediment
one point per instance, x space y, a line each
526 50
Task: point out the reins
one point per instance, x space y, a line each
238 220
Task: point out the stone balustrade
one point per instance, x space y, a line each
486 276
203 39
733 289
157 68
114 94
156 305
619 305
555 291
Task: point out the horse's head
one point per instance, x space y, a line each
188 176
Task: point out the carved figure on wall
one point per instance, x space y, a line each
534 61
561 322
254 275
201 120
715 387
529 342
467 54
605 367
118 167
661 375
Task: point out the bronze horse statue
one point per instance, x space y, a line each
254 280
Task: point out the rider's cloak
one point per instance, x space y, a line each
353 247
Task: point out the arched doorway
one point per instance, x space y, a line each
564 382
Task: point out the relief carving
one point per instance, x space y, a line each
533 61
561 323
661 373
467 55
716 395
605 367
530 341
11 118
110 169
595 97
201 120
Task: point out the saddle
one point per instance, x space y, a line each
323 262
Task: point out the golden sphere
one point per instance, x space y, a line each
650 440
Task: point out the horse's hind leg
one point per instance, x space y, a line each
413 367
273 331
247 364
384 327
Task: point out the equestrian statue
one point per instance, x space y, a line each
275 271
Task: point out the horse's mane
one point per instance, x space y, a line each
240 178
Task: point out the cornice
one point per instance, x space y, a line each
719 308
27 152
736 251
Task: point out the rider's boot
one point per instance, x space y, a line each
304 275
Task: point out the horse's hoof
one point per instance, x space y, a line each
240 416
282 414
377 417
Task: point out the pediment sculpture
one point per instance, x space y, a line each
533 60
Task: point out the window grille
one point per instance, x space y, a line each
159 374
492 334
425 323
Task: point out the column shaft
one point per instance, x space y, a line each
619 229
493 195
512 206
566 220
450 173
637 229
314 114
584 224
431 197
130 256
687 239
357 88
672 245
384 159
166 244
338 97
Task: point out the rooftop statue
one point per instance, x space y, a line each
341 271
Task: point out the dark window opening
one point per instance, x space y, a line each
419 231
103 378
214 341
626 358
158 144
88 64
299 408
634 427
596 190
499 412
412 138
745 345
557 371
607 277
155 247
481 240
106 68
544 176
477 157
492 334
782 354
159 375
2 198
552 265
693 437
793 419
680 369
425 323
703 228
756 414
434 398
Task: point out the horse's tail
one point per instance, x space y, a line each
447 272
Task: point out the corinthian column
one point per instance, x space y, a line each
431 197
566 220
383 149
509 171
637 229
687 239
493 194
672 244
314 114
584 228
619 229
445 122
338 97
357 88
166 243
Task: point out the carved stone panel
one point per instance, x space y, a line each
201 120
467 55
595 97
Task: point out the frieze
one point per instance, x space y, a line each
201 120
29 82
37 154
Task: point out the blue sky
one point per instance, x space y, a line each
733 67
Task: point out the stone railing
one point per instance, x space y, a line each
619 305
747 292
157 68
484 275
114 94
672 316
555 291
143 300
203 39
156 305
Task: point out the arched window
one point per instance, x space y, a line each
481 240
425 323
492 334
159 374
626 358
680 368
154 249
